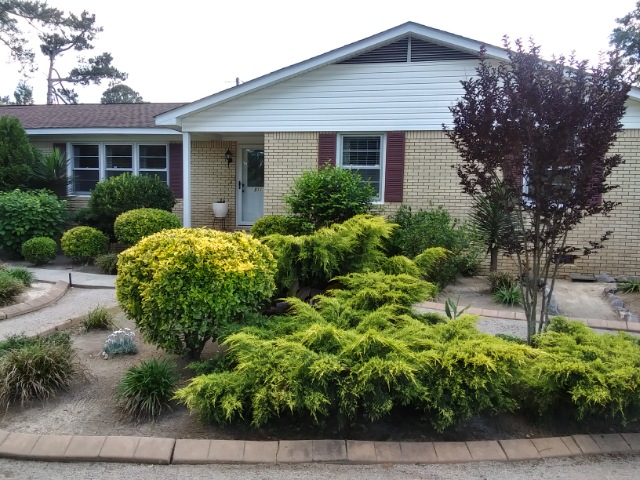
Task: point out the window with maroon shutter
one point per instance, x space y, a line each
394 167
327 149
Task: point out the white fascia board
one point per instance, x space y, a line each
174 117
102 131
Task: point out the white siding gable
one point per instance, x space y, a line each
369 97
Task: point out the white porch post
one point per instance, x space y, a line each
186 179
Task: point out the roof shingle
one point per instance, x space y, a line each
121 115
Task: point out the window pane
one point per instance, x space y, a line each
361 151
372 176
85 180
119 156
153 156
86 156
161 175
255 168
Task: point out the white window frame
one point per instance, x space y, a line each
102 161
383 157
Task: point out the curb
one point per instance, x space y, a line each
617 325
53 295
170 451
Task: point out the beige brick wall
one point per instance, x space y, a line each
211 180
287 156
430 180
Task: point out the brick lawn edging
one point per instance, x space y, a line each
53 295
165 451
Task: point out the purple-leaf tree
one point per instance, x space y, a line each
543 129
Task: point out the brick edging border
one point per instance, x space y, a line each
617 325
165 451
53 295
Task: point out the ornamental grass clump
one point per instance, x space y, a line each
36 369
146 390
183 287
21 274
10 288
98 319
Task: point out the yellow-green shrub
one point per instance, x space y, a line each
130 227
342 248
183 286
84 243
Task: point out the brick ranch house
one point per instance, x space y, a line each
376 106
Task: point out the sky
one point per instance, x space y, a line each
182 51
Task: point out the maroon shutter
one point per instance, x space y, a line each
513 172
175 169
327 149
394 167
60 146
596 198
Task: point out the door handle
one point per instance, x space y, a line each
241 185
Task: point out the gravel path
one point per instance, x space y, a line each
75 303
578 468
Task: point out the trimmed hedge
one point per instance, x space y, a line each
130 227
84 243
39 250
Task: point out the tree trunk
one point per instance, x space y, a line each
494 260
50 91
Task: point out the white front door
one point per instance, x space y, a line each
250 186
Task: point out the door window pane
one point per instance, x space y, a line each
255 168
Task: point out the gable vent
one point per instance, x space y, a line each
410 49
395 52
423 51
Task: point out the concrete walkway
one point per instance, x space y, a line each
74 278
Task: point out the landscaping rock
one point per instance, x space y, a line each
633 317
605 277
612 290
576 277
615 301
621 279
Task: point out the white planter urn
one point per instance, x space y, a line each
220 209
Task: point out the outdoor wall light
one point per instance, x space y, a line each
228 157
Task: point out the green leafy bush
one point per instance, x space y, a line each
21 274
17 156
349 360
108 263
419 231
10 288
126 192
131 226
497 280
508 295
24 215
120 342
39 250
582 373
183 286
329 195
281 224
146 391
351 246
37 369
84 243
98 319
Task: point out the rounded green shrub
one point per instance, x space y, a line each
183 286
130 227
126 192
84 243
39 250
25 215
146 391
281 224
330 195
